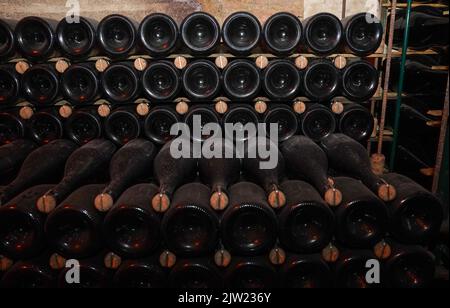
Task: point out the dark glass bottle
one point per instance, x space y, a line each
22 225
40 84
241 32
45 126
201 80
74 229
35 37
321 81
284 118
197 118
363 33
10 85
359 81
249 225
305 271
307 161
241 80
83 126
116 35
428 28
11 128
356 121
361 219
79 83
410 267
317 122
239 115
76 39
7 40
266 170
122 126
416 214
158 34
161 81
159 122
84 164
306 223
220 172
190 227
350 157
200 33
132 227
142 273
30 274
251 273
120 82
171 172
12 155
195 274
351 270
283 33
281 80
93 274
45 171
132 162
323 33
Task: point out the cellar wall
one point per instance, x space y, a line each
178 9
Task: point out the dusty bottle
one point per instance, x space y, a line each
159 122
120 82
47 171
11 128
251 273
40 84
10 85
80 83
308 161
130 163
83 164
83 126
350 157
46 126
122 126
351 270
141 273
12 155
305 271
76 40
197 273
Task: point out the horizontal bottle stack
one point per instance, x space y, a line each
136 216
100 98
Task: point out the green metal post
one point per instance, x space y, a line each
400 88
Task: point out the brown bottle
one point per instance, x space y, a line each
251 273
199 273
38 168
350 157
305 271
350 269
308 161
82 165
220 173
12 156
141 273
130 163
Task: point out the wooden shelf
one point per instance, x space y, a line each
404 5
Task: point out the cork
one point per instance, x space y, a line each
143 109
167 259
262 62
387 192
299 107
337 107
221 61
277 199
377 162
65 111
104 110
112 261
222 258
21 67
101 65
330 253
277 256
140 64
382 250
260 107
221 107
62 65
340 62
333 196
26 112
46 204
219 201
182 108
103 202
57 262
161 203
301 62
180 62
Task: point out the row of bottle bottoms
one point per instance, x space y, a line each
232 201
404 267
201 80
200 34
123 124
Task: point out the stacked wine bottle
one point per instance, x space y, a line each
89 174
